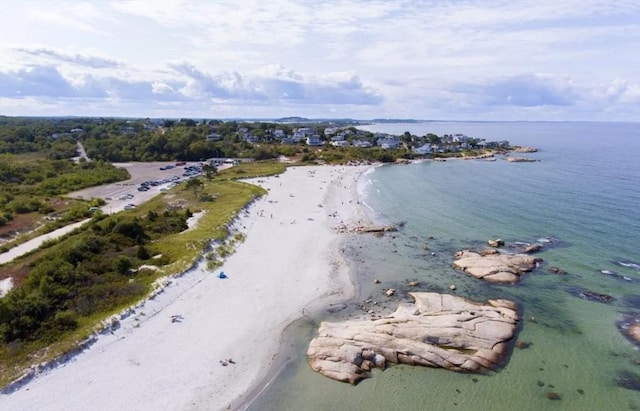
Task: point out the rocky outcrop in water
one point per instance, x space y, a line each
521 160
525 150
496 243
493 266
438 330
630 327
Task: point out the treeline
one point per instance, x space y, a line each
121 140
181 140
88 273
19 135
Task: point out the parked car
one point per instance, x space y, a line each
129 206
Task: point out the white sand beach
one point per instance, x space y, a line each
290 261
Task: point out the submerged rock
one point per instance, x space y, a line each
438 330
557 270
628 380
631 300
495 267
590 295
553 396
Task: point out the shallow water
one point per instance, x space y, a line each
583 194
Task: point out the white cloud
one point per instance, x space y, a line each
421 59
76 59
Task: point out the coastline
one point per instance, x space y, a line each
288 265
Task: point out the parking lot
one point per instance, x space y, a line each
119 195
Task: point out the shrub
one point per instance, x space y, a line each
66 320
122 264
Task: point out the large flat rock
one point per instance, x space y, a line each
438 330
495 267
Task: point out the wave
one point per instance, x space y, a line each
629 264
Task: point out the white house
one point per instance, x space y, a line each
424 149
362 143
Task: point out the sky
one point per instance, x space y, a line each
482 60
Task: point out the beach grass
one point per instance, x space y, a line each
185 248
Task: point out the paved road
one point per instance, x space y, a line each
31 245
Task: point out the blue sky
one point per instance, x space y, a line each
452 60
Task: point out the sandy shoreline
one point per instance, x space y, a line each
289 262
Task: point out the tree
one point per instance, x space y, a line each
195 185
433 139
209 171
122 264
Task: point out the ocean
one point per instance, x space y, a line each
581 200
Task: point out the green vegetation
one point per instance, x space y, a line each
32 186
95 271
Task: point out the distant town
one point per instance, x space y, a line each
116 140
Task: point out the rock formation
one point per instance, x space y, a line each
533 248
496 243
633 331
438 330
525 150
495 267
521 160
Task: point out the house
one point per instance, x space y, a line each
388 142
362 144
424 149
329 131
314 140
214 137
301 133
340 143
250 138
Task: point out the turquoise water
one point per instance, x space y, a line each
583 195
